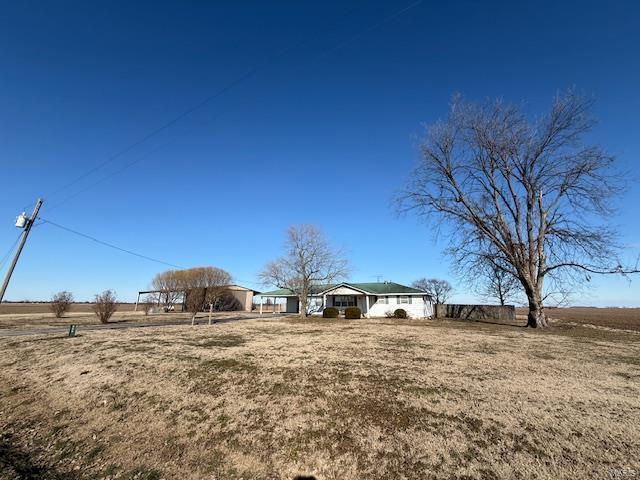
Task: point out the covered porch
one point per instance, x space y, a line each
343 297
339 297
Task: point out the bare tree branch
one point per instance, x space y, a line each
439 290
309 261
526 199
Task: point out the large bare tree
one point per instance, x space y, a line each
309 261
529 196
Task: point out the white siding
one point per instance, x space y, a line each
343 291
418 308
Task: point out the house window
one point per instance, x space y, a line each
344 301
384 300
404 299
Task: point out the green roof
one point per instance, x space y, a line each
285 292
381 288
376 288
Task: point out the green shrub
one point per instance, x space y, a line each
352 312
330 312
400 313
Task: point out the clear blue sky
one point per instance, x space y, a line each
323 132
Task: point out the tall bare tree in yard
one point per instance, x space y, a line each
529 196
440 290
309 261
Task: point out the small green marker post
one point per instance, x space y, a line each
72 330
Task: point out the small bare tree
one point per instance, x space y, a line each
195 302
440 290
105 305
309 262
529 196
496 282
168 285
147 304
60 303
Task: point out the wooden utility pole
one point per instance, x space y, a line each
23 239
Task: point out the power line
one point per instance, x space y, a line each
250 73
9 252
111 175
110 245
160 129
363 32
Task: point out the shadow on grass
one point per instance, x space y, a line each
17 463
502 324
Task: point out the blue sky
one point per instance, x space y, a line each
321 131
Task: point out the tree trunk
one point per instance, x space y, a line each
303 306
536 317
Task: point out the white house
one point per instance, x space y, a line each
373 299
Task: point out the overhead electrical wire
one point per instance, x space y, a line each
231 85
112 174
9 252
250 73
110 245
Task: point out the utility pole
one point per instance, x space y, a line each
27 228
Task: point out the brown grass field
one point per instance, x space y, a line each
336 399
28 308
38 314
620 318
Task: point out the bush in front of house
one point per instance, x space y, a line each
330 312
352 313
400 313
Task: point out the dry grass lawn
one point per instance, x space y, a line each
374 399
